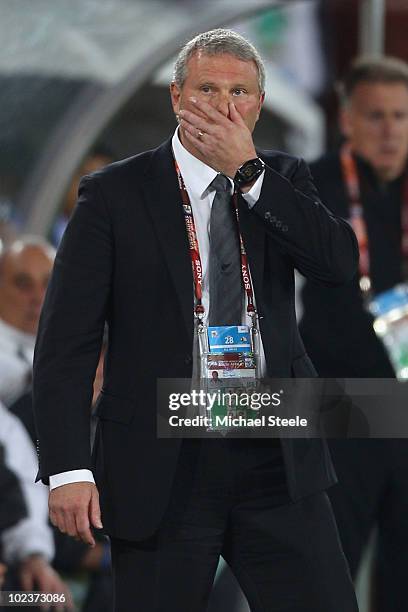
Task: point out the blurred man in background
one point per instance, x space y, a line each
27 542
366 181
12 505
95 160
28 546
74 559
25 268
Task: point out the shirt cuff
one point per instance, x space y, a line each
57 480
252 196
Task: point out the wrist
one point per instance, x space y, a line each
34 556
240 162
248 173
33 560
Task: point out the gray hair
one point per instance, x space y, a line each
216 42
22 242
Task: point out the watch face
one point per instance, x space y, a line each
248 171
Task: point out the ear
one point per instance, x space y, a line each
345 121
175 94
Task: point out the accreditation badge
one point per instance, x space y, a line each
229 357
390 311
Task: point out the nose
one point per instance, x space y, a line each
37 295
222 101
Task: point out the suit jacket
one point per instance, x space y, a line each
124 258
346 344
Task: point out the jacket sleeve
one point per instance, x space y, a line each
70 336
323 247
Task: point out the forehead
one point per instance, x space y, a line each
221 66
380 94
31 260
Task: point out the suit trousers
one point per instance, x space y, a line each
230 498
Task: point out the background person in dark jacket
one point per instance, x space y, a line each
337 328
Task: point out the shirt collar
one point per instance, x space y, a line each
197 176
15 336
368 170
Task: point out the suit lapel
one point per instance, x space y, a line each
163 201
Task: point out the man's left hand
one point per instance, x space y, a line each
224 143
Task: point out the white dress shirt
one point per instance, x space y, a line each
197 178
16 359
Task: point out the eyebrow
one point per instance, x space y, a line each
236 86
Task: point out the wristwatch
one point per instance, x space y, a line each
249 172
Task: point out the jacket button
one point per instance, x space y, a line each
188 360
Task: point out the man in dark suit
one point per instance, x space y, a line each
172 507
337 327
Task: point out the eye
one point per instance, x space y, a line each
238 91
22 283
205 88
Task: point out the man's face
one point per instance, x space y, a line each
24 276
375 122
218 80
89 165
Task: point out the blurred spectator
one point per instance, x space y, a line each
367 182
25 267
96 159
28 545
12 505
35 534
75 559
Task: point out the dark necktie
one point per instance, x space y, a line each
225 280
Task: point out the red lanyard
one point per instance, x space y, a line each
195 252
357 221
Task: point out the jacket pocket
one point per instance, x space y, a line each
114 408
